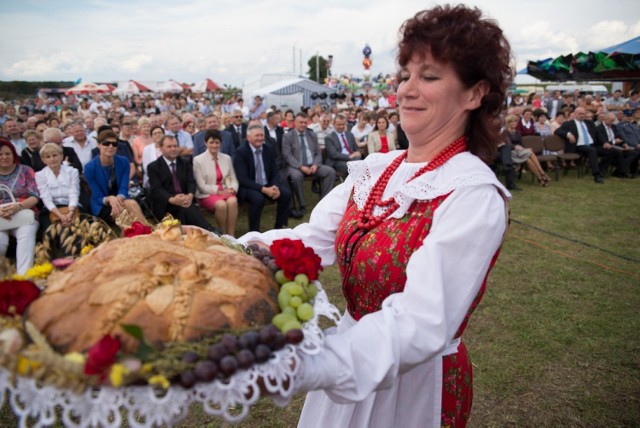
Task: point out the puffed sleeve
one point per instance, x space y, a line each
443 277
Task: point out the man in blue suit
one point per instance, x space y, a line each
211 121
255 165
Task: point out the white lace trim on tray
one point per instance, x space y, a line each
144 406
463 170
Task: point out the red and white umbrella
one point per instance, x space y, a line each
86 88
207 85
131 87
108 87
170 86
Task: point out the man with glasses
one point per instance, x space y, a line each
237 128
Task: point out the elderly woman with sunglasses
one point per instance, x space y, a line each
108 178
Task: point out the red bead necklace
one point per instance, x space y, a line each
366 219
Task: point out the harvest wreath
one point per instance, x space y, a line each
175 322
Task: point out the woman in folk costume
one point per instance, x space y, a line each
415 234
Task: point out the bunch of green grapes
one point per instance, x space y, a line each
295 300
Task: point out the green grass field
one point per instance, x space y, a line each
555 339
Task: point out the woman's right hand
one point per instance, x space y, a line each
117 205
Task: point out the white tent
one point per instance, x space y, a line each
293 93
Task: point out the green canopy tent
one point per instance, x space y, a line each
618 62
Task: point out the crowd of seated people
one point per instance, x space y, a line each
187 156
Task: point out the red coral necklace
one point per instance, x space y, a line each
366 219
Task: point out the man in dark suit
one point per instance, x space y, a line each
238 129
303 158
211 121
172 186
610 143
255 165
580 134
341 146
273 134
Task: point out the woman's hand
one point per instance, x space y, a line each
227 192
9 210
117 205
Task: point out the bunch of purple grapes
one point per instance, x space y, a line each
233 353
264 255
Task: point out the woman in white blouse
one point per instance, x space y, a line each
59 186
151 152
217 183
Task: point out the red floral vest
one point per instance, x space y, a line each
376 268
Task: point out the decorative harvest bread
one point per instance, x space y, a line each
175 288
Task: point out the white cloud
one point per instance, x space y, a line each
234 42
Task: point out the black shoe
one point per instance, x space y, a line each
293 213
514 188
303 211
598 179
315 186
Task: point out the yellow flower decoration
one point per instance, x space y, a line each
41 271
170 223
75 357
86 249
117 374
146 368
18 277
160 381
25 365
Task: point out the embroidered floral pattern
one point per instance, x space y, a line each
373 266
377 269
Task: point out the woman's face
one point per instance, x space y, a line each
145 128
190 128
527 116
6 157
511 124
433 100
382 124
52 160
33 142
213 145
542 119
156 135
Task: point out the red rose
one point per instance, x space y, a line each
101 356
17 294
136 229
293 258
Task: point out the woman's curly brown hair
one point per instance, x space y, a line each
477 50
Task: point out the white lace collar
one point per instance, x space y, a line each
463 170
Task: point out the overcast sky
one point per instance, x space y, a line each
234 42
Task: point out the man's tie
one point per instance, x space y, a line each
176 183
259 174
344 141
177 138
585 134
303 149
610 135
